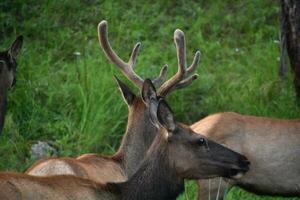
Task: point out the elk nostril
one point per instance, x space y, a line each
246 162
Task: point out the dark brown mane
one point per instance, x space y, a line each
155 179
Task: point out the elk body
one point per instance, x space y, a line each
271 145
139 133
175 154
8 66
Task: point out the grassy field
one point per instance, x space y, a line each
65 92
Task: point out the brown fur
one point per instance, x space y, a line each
64 187
93 166
271 145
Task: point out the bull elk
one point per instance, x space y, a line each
139 133
175 154
8 66
272 146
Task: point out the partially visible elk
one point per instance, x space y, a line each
175 154
271 145
8 66
139 133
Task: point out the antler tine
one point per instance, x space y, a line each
195 62
180 48
162 77
184 76
184 83
126 68
133 56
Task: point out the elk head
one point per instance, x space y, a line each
8 64
192 155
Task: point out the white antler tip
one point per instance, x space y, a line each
178 34
102 24
164 70
198 55
165 67
138 44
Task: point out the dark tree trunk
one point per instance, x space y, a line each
282 65
291 31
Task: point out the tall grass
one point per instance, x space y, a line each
65 92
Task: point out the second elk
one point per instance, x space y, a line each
272 146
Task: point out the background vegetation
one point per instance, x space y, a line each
65 92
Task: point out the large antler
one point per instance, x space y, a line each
184 75
126 68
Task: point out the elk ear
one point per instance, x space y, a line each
15 48
148 92
150 99
165 116
127 94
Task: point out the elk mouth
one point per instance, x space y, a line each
233 170
237 173
239 170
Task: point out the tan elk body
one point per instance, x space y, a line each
271 145
175 154
139 133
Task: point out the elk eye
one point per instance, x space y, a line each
201 142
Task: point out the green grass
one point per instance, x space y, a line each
73 101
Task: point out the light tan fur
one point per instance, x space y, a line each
271 145
24 187
91 166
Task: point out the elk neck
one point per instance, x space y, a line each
156 178
139 135
3 96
